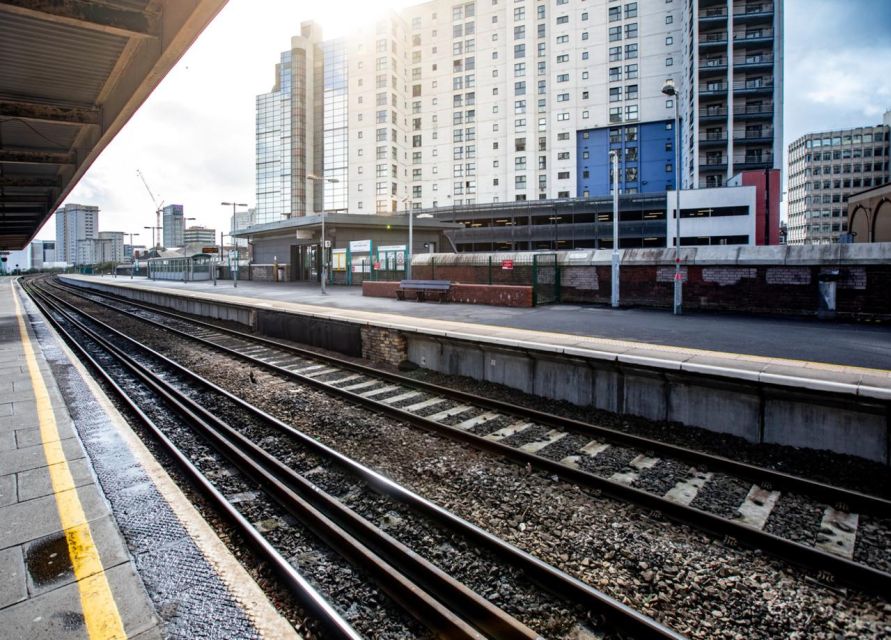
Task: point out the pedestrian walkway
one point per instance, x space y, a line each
64 569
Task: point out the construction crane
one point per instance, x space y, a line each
158 207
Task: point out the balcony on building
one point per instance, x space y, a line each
753 135
712 139
753 86
752 159
753 111
753 62
712 113
710 16
713 88
716 161
753 37
716 65
713 40
752 12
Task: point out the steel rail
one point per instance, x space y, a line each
548 576
764 477
425 591
413 598
306 595
856 574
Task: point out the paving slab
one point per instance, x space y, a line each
57 615
36 483
47 563
13 584
25 521
33 457
8 490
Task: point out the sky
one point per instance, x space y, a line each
193 138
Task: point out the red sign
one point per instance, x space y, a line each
507 265
377 265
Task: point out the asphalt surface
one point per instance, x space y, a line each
811 340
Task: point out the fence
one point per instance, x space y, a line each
185 269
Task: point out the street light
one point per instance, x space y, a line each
155 243
614 293
669 90
411 219
324 278
232 204
132 253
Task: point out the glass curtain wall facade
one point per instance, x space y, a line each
173 224
336 126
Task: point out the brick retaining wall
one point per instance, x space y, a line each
498 295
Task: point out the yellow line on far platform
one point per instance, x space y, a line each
101 616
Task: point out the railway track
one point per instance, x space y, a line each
809 523
342 518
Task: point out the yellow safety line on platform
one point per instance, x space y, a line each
101 617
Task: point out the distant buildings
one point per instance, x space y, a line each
199 235
173 224
42 252
825 169
77 228
111 247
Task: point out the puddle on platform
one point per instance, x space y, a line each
48 560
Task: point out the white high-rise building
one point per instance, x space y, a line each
110 247
77 227
453 103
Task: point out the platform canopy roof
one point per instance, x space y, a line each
72 73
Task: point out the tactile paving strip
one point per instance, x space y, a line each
188 595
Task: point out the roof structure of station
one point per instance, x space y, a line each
73 74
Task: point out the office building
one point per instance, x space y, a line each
173 223
825 169
200 235
77 226
449 104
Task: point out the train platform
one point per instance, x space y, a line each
799 383
96 541
847 350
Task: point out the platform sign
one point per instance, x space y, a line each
210 250
392 256
507 265
360 246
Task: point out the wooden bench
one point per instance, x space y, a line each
424 289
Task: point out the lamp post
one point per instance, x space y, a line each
322 241
132 253
232 204
614 293
670 90
409 252
155 242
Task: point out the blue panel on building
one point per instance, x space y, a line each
646 158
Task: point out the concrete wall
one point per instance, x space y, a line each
497 295
749 409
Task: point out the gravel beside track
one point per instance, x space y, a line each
677 575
